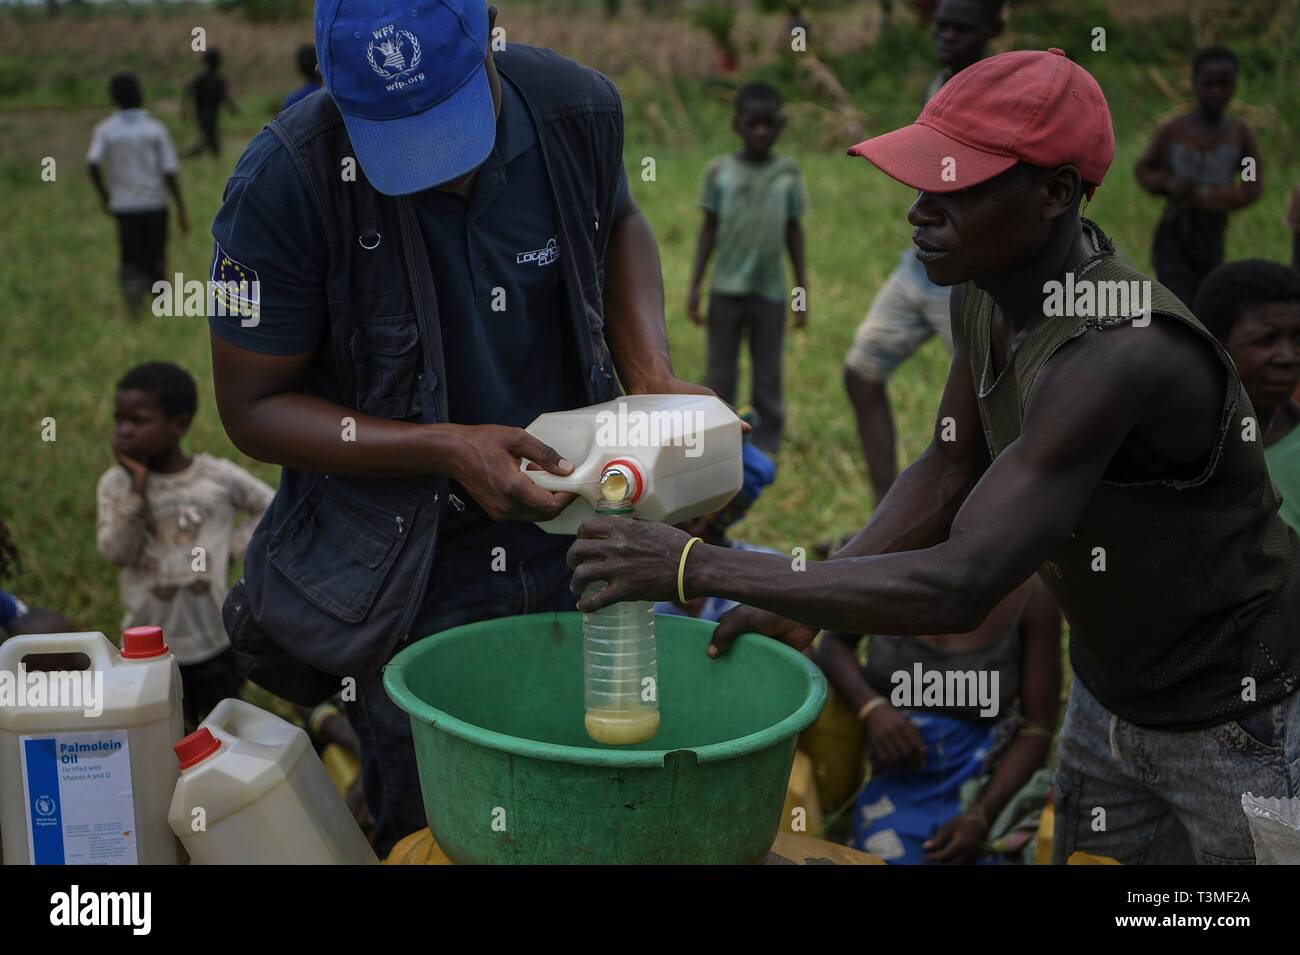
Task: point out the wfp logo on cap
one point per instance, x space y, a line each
394 54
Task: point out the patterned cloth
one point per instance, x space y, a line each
897 811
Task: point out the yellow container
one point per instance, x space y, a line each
836 745
801 793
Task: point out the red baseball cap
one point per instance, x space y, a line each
1032 106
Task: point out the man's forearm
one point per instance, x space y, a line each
912 593
312 434
634 305
919 508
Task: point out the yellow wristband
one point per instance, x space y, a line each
681 570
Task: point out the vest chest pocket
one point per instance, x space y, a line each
387 359
336 547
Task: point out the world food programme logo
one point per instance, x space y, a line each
393 53
44 806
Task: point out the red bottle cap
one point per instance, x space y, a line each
139 643
196 747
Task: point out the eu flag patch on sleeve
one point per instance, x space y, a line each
236 290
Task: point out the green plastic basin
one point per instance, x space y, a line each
509 774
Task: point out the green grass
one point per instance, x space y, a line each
66 339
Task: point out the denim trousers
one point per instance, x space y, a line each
388 770
1147 796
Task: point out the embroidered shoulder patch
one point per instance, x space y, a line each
235 287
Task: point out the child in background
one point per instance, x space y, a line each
753 201
208 93
306 60
133 165
1253 308
909 309
1195 161
167 519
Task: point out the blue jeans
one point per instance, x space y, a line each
1147 796
388 771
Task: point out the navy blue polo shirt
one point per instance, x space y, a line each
508 353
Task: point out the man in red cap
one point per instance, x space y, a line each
1091 430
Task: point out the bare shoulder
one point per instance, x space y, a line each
1159 362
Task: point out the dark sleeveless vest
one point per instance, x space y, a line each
1201 587
338 568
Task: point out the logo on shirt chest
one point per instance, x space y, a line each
543 256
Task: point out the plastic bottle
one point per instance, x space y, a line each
252 791
679 456
620 676
89 782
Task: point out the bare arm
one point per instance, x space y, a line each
1022 509
1040 701
1086 401
838 656
268 417
97 180
174 187
634 304
703 251
1151 172
921 504
794 244
1237 194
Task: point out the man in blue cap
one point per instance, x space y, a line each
411 265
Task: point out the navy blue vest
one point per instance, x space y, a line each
339 566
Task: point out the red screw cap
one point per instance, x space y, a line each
196 747
139 643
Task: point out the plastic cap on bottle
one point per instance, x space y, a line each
139 643
196 747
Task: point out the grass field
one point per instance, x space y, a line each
66 340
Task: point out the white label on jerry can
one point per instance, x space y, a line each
80 805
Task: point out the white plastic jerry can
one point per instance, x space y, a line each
86 765
673 456
252 791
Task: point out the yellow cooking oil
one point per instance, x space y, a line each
622 727
620 673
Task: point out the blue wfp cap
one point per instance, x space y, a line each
409 79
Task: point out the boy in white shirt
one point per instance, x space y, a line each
167 519
133 166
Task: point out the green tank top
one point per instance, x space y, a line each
1201 586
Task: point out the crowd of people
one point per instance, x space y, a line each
1135 476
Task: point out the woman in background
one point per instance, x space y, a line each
942 773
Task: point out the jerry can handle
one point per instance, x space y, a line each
553 482
264 731
93 644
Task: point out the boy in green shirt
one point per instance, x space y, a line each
1253 308
753 201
